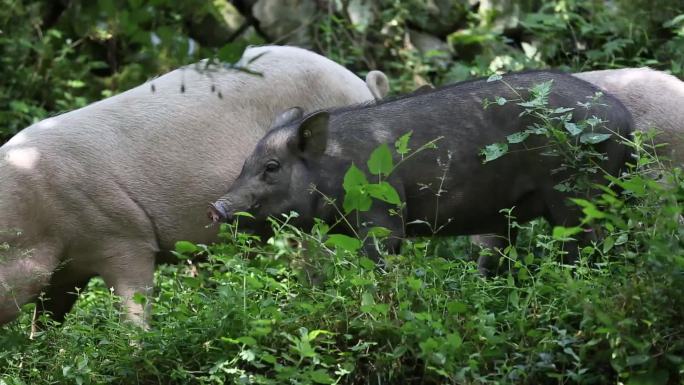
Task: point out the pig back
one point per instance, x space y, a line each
152 158
452 180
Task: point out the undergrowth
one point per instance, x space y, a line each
310 308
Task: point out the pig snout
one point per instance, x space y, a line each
217 213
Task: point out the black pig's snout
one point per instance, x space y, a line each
217 213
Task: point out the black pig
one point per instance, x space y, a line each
319 148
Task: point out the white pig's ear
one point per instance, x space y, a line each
288 116
312 134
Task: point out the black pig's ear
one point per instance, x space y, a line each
288 116
312 134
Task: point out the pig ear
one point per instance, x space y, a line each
312 134
288 116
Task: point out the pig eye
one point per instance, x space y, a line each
272 166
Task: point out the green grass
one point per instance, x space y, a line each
273 314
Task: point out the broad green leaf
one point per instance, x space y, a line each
247 340
380 161
454 340
562 110
402 143
637 359
367 263
384 192
379 232
456 307
608 244
185 247
562 233
320 376
542 90
315 333
529 258
501 101
247 355
572 128
367 299
673 23
354 177
343 242
356 199
593 137
589 209
494 151
232 52
517 137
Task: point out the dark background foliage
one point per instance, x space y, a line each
63 54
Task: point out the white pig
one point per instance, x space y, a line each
655 100
107 189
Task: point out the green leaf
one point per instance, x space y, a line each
542 90
589 209
637 359
501 101
320 376
380 161
673 23
608 244
529 258
366 263
517 137
379 232
355 197
454 340
76 83
353 178
384 192
494 151
562 110
563 233
315 333
572 128
247 340
185 247
232 52
402 143
367 299
139 298
456 307
414 283
593 137
343 242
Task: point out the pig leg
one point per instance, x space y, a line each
127 266
23 275
560 212
59 296
488 265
